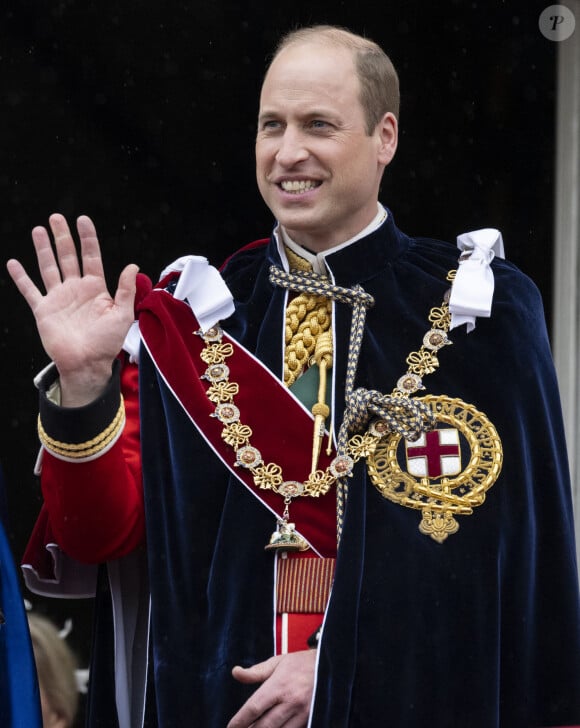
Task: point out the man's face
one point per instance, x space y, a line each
317 168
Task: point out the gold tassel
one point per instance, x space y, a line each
323 358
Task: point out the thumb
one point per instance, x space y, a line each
125 295
257 673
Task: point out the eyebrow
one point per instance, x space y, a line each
308 114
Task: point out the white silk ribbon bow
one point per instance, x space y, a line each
472 290
201 285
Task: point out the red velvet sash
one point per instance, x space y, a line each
282 428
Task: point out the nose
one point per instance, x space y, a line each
292 148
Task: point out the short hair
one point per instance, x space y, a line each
55 666
379 82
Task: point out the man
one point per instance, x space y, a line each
415 530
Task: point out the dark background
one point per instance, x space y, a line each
142 115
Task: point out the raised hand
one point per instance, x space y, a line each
82 328
283 698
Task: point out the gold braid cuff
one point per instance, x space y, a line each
88 449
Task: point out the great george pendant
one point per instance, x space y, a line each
440 490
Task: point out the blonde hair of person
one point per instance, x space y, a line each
379 82
55 665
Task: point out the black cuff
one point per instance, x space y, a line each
79 424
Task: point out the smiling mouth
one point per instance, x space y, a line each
298 187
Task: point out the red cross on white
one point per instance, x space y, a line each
435 454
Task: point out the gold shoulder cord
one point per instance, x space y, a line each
308 341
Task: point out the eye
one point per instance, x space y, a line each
319 124
270 125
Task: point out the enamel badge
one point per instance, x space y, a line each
445 472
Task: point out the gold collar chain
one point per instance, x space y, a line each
268 475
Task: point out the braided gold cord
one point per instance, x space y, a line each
324 350
309 284
88 448
323 358
307 317
295 261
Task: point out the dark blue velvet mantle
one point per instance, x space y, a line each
480 631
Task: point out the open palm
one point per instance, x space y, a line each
81 326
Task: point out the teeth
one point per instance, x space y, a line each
298 185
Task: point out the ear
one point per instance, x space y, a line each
388 135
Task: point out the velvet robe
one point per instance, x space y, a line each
482 630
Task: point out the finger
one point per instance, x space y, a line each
47 265
125 295
256 673
68 259
90 249
263 700
24 283
259 714
296 721
249 713
281 715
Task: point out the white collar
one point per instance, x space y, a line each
317 260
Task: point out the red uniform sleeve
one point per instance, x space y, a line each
95 508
